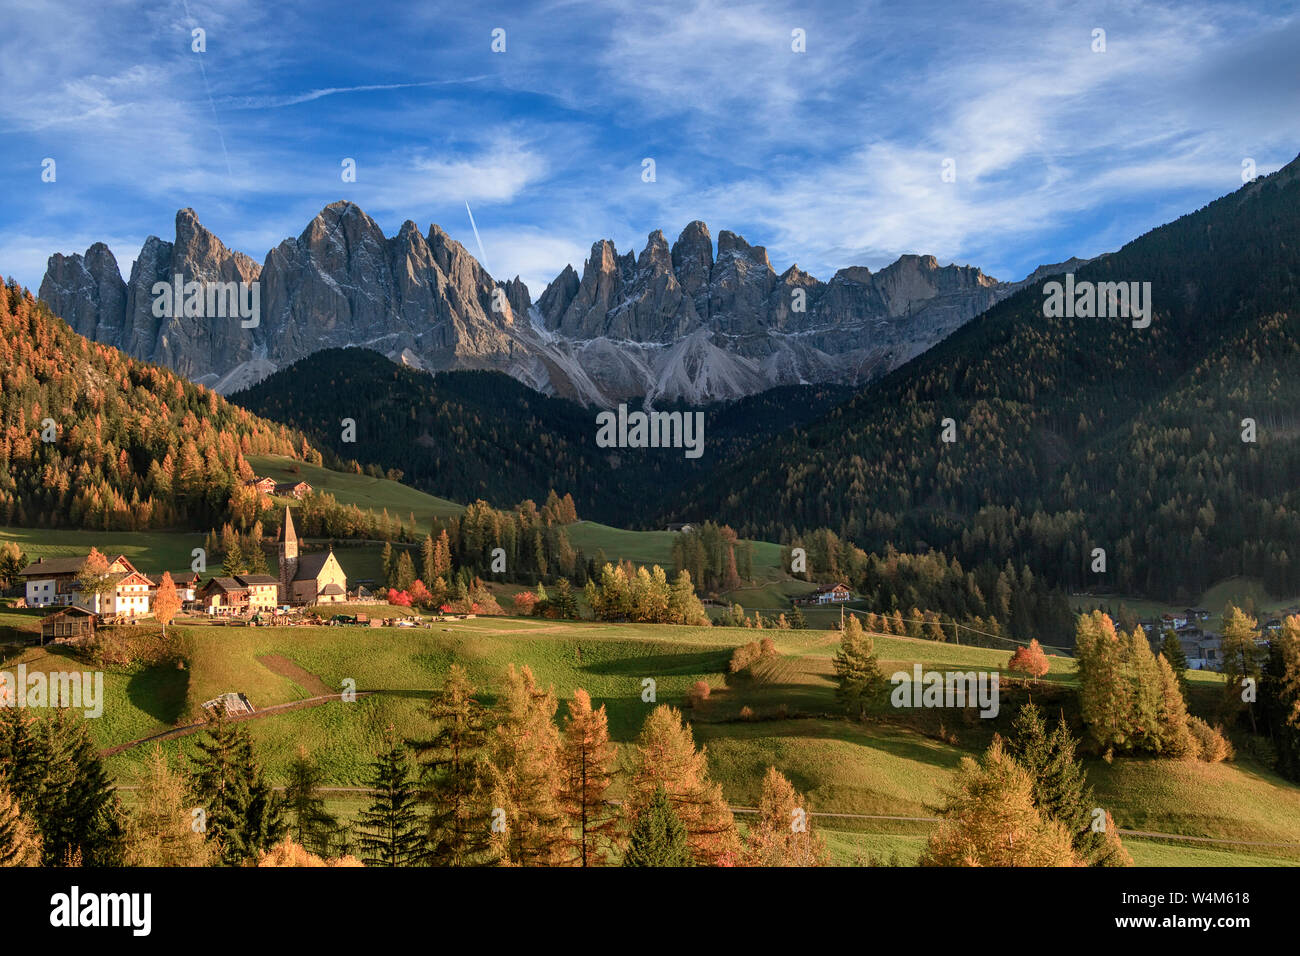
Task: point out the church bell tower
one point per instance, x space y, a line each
288 558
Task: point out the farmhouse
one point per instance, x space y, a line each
223 596
311 578
187 586
263 486
293 489
832 594
130 596
54 581
263 590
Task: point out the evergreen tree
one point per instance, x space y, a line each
457 824
241 811
1172 650
797 619
161 831
658 837
390 568
1060 789
391 833
74 804
313 826
20 840
860 679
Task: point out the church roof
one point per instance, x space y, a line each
311 565
287 533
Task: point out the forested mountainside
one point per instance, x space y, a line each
475 434
1077 433
90 438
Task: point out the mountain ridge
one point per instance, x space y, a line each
670 323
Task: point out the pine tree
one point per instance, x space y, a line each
75 806
405 572
391 834
860 679
457 824
20 840
428 568
1241 660
221 790
525 773
658 837
1173 652
161 831
390 569
1060 789
587 761
313 826
665 755
242 813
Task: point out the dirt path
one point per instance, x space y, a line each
278 664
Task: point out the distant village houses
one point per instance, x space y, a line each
304 580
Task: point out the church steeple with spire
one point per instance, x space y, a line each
288 558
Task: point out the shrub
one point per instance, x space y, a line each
747 713
698 694
524 603
745 655
1211 745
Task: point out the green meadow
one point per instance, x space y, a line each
894 764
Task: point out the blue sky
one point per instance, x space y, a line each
831 157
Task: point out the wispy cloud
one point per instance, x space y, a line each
830 157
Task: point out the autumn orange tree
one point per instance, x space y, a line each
524 774
783 833
587 760
665 755
989 819
1029 660
166 601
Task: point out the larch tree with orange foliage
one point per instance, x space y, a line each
783 833
665 755
587 760
524 773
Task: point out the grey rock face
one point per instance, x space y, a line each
672 322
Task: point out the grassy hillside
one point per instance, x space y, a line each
364 491
895 765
